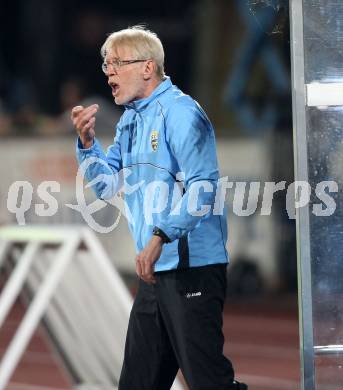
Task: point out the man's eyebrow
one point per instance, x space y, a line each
111 59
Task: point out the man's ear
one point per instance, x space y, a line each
149 69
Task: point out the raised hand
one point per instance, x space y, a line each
83 119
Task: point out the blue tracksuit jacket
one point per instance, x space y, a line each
165 144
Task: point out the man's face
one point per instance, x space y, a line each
127 82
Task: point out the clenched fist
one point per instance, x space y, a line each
84 122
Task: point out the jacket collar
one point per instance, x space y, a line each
141 104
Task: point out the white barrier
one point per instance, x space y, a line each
79 293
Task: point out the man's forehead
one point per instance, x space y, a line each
118 52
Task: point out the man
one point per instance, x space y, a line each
163 138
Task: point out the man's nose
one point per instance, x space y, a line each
111 70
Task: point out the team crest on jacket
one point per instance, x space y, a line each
154 140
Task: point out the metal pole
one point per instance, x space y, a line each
15 283
104 263
328 349
302 215
4 245
66 331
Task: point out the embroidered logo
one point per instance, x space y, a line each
154 140
191 295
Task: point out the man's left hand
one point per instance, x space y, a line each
146 259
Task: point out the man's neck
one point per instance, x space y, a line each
151 87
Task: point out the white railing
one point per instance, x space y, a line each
77 290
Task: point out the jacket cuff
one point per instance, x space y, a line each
156 231
81 149
169 232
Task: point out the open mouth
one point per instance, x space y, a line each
115 88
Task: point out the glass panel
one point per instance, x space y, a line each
325 162
329 373
323 38
323 55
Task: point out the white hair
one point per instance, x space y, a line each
143 43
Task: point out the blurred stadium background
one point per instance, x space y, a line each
234 58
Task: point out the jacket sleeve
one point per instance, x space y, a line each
191 139
102 171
